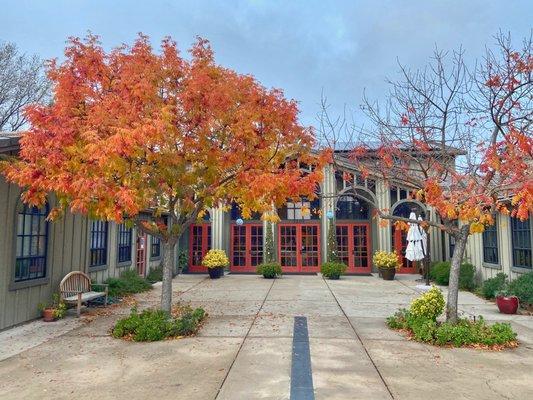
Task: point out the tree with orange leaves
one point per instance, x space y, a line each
156 139
460 140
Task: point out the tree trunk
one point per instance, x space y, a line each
453 285
166 286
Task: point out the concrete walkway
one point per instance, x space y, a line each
244 351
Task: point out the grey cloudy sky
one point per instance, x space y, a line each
303 47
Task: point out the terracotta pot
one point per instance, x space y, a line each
215 273
507 305
388 273
48 315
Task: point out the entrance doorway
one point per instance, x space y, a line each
246 247
140 259
199 245
353 247
299 247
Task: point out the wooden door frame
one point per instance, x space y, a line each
144 237
205 246
298 268
248 245
352 269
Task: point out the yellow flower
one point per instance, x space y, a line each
215 258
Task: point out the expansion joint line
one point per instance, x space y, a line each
360 340
244 340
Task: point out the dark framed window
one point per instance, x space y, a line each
124 243
32 241
155 250
98 250
491 253
352 207
521 242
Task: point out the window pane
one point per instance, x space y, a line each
31 242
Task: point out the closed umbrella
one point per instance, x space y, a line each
416 241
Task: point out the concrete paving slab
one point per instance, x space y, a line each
301 307
321 294
261 371
414 371
276 325
343 371
368 309
374 328
225 295
21 338
226 326
227 307
107 368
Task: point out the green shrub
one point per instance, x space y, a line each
493 285
155 274
464 333
440 273
152 325
269 270
522 287
333 269
128 283
428 305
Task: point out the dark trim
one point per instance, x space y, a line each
97 268
29 283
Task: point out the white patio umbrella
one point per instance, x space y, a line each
416 241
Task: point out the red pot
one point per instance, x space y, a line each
507 305
48 315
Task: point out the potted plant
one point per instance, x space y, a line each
269 270
215 261
56 309
333 269
507 303
387 263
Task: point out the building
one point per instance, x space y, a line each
35 254
300 238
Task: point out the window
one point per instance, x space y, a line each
521 239
32 239
490 244
155 250
351 207
98 251
124 243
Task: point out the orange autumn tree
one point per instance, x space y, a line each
461 141
156 139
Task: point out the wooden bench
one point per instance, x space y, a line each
76 288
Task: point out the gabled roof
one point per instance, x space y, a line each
9 142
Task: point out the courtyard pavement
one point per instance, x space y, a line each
244 350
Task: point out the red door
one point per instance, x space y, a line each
400 245
299 247
246 247
353 246
199 245
140 260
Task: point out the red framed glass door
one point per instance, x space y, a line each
199 245
353 246
299 247
400 245
246 247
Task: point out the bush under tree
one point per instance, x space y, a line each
440 272
420 321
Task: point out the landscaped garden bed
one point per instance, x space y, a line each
521 288
152 325
420 323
